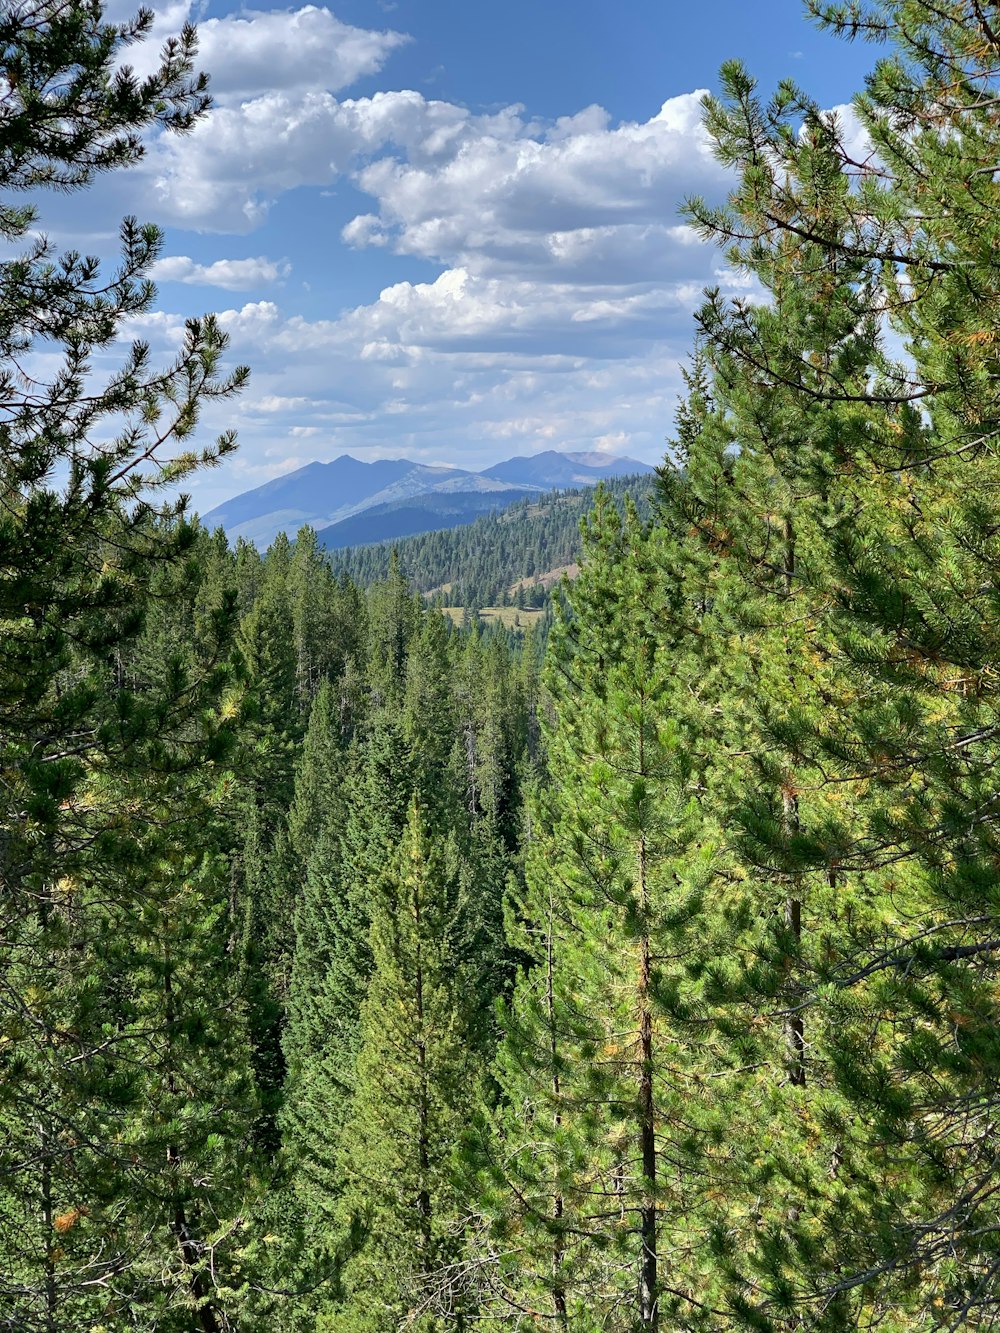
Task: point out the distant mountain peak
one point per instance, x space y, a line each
322 494
597 459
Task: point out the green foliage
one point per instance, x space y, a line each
479 565
121 1093
844 491
416 1086
581 1211
356 981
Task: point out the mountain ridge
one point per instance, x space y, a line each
481 563
325 494
431 511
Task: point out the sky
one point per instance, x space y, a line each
446 231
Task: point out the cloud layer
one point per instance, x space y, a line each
234 275
565 280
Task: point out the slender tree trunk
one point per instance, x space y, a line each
648 1318
423 1109
795 1037
558 1248
179 1223
48 1238
648 1303
189 1251
647 1134
471 767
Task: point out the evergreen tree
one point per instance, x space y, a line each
326 624
855 543
265 871
321 775
587 1208
331 967
107 752
416 1083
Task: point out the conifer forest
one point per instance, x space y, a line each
369 970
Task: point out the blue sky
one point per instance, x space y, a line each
447 231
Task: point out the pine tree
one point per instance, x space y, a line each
118 1208
856 554
266 874
106 755
582 1198
331 967
416 1083
326 625
321 773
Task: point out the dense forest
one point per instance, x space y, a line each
362 973
498 555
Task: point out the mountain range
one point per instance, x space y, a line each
325 495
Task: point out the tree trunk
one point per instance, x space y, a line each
423 1110
48 1238
558 1247
795 1038
648 1317
189 1251
647 1136
179 1223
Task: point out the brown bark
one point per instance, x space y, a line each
558 1248
795 1037
648 1300
423 1109
200 1288
647 1135
48 1220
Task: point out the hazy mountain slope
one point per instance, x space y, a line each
422 513
322 494
307 495
479 564
551 469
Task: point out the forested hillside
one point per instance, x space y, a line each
362 973
421 513
395 496
481 565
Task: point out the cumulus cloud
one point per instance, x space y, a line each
521 196
853 135
235 275
253 51
465 310
227 172
304 48
276 402
563 280
471 366
445 182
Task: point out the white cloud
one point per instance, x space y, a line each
562 286
257 51
616 444
468 366
235 275
853 135
227 172
276 402
505 187
446 182
298 49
